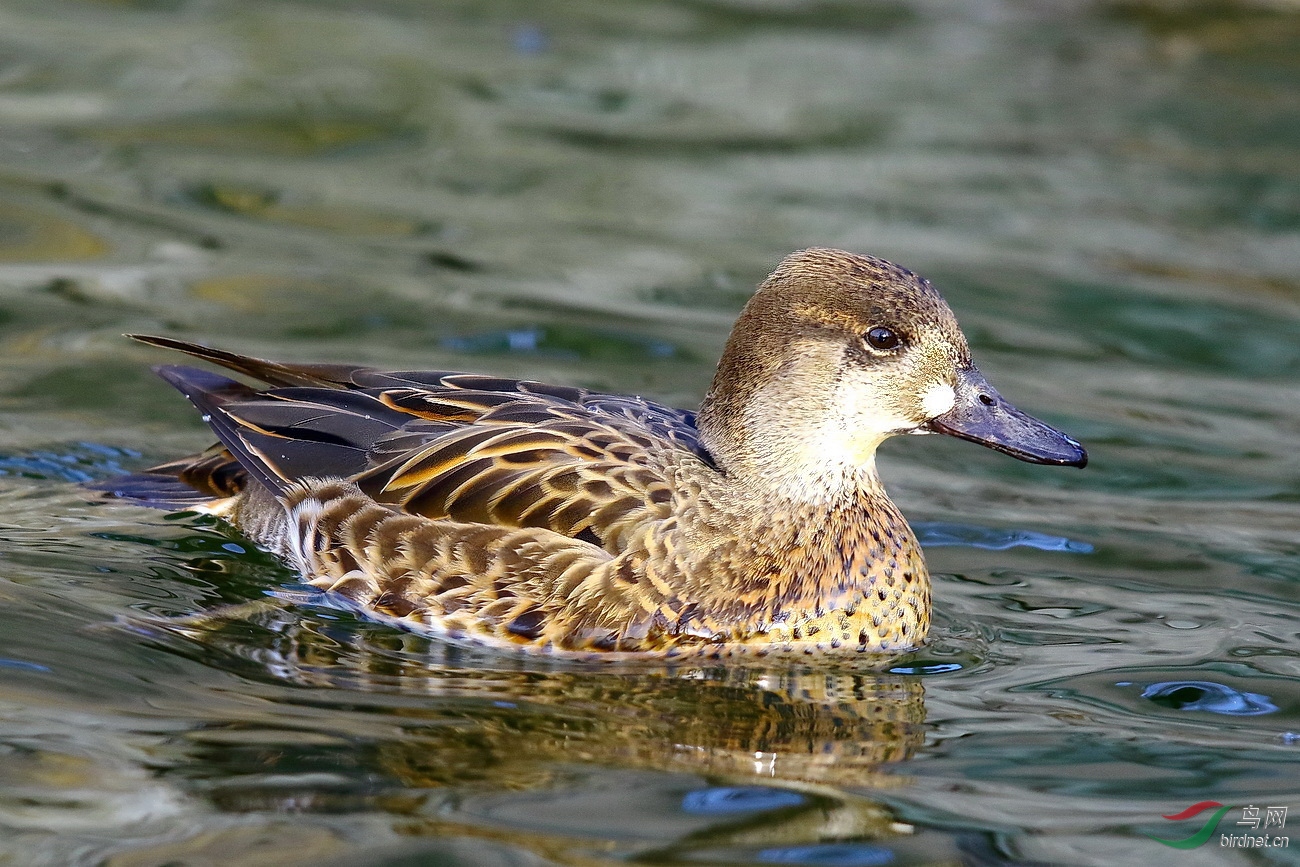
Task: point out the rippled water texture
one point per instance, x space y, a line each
586 192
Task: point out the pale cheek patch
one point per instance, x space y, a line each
938 399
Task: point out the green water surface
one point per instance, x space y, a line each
1108 193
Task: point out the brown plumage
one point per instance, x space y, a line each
566 521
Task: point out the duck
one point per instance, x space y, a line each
559 520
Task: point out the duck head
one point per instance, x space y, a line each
835 353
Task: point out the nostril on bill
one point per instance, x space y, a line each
986 400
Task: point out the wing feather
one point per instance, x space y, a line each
460 447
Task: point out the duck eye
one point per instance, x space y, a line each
883 338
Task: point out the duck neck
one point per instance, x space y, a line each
795 539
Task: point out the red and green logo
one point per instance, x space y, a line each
1207 830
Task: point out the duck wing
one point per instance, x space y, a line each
590 470
459 447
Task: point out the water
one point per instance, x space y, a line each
586 192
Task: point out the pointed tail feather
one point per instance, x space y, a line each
270 372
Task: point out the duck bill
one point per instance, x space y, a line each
983 416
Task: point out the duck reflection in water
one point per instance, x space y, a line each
810 723
464 721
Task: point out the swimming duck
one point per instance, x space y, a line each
572 522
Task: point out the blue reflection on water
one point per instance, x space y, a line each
927 668
529 39
1208 696
719 800
95 461
552 344
829 854
936 534
23 665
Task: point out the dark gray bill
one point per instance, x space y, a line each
983 416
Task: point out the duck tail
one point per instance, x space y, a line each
196 481
271 372
211 394
171 493
272 438
181 485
